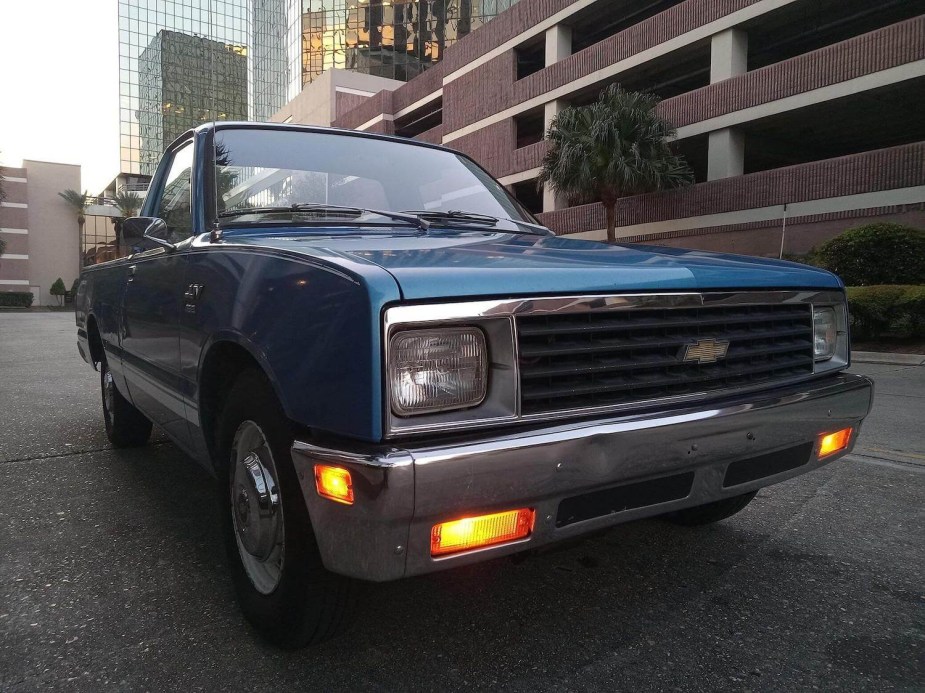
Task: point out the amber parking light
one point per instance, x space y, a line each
334 483
480 530
830 443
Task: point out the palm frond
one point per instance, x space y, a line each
614 147
75 199
128 203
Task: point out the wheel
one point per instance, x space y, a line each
126 427
282 585
711 512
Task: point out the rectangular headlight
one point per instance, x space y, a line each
825 333
437 370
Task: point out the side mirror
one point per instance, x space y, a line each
152 228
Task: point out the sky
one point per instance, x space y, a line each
59 85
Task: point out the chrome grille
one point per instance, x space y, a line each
607 358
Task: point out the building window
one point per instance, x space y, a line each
601 20
531 57
420 120
529 127
529 195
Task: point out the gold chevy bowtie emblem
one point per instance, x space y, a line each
706 351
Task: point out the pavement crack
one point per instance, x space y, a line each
70 453
911 459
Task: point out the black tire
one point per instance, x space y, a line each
308 604
126 427
711 512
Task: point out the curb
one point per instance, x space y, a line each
888 358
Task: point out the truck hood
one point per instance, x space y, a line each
474 264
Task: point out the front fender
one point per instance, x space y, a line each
314 330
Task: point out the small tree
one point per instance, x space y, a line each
612 148
57 289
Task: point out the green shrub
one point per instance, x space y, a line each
875 254
875 310
912 304
16 299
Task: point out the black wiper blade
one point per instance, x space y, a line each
455 215
458 216
412 219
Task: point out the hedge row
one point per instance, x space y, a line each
897 309
16 299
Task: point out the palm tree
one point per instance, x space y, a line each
128 204
612 148
78 201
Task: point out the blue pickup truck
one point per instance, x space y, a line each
392 368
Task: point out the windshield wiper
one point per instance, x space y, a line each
454 215
461 217
412 219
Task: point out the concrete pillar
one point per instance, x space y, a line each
726 154
728 55
551 199
558 43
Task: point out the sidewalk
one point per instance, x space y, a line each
888 358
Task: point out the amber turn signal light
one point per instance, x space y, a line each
481 530
830 443
334 483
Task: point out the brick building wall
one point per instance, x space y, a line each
732 115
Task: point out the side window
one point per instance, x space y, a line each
175 206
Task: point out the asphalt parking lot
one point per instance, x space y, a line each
112 574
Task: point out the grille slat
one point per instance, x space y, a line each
618 344
623 324
616 358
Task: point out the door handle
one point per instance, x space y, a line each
131 273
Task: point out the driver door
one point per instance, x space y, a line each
152 304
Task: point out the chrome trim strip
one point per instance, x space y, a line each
387 459
472 312
630 424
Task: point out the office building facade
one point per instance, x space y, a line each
184 62
184 81
395 39
799 118
181 62
39 229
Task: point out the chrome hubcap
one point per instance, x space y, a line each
108 388
256 508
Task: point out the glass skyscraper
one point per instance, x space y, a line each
185 62
181 62
397 39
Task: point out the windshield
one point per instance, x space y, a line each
279 168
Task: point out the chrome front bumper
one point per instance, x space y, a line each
401 492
